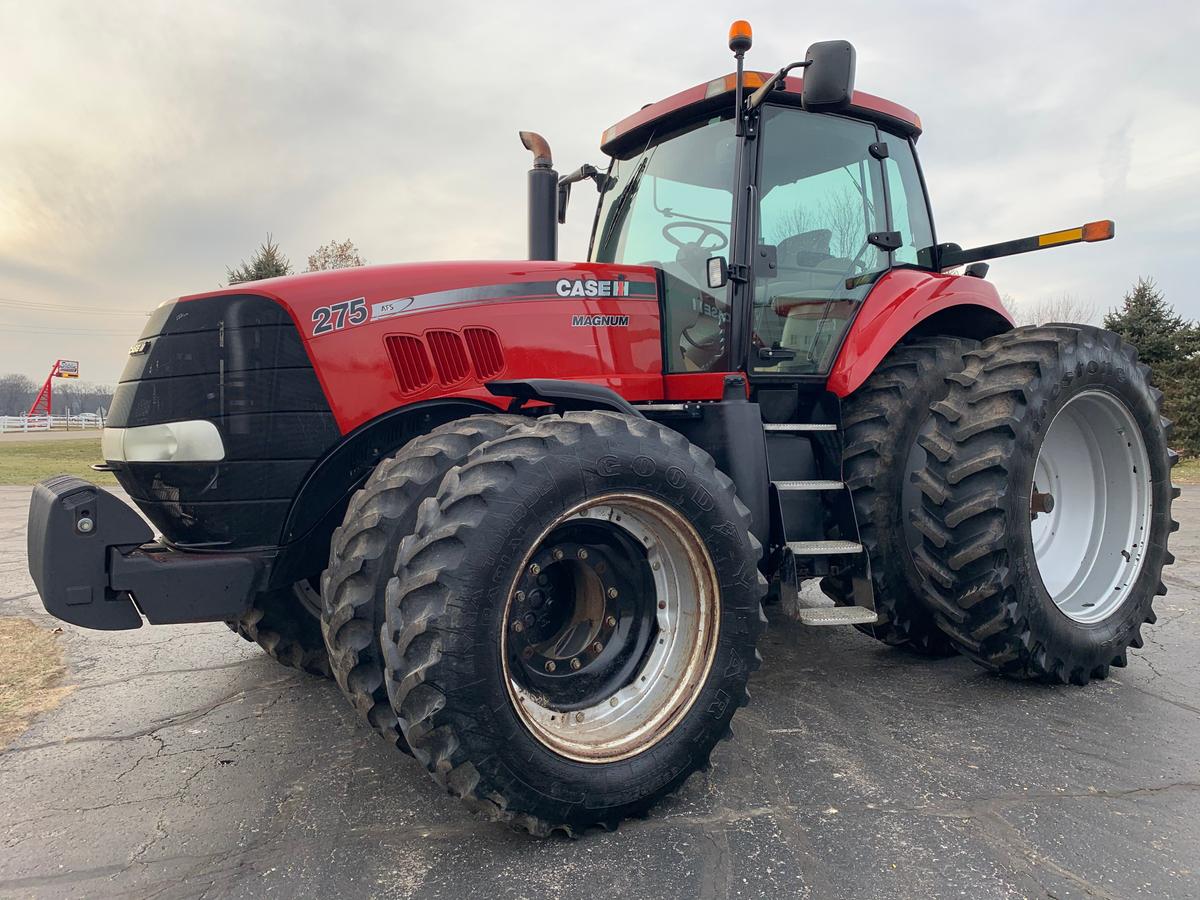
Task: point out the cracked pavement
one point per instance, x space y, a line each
185 763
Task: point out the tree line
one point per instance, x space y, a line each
70 396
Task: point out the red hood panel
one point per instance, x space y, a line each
367 329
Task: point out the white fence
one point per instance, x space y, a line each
14 424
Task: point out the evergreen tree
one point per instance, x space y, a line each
1170 345
268 261
1148 321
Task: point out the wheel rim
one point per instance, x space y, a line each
1089 537
610 628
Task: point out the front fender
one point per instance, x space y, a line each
904 300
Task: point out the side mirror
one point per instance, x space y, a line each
828 76
564 197
718 272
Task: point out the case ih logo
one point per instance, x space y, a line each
590 287
599 321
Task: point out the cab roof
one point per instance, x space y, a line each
630 134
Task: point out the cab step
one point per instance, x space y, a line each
799 426
837 615
812 485
823 548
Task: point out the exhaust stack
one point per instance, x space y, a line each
543 198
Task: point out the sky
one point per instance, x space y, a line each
145 147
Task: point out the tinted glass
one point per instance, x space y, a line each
671 207
910 213
821 195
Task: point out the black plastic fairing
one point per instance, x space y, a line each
237 361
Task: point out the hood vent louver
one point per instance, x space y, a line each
449 356
484 346
441 352
410 362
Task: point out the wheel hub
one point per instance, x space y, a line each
579 622
1090 506
611 628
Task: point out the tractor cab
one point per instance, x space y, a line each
769 227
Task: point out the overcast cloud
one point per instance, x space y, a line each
146 146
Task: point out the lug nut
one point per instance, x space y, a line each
550 666
662 604
612 593
527 653
520 596
558 554
534 569
578 717
597 647
575 663
518 627
582 553
85 525
612 702
610 621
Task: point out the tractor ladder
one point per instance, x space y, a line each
815 531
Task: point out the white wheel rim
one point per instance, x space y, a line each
1091 544
646 709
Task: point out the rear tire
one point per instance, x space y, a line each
881 421
284 623
487 726
1065 411
362 557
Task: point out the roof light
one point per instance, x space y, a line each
724 85
740 36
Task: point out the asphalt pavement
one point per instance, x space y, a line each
185 763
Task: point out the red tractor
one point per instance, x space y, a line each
527 513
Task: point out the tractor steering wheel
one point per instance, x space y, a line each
704 229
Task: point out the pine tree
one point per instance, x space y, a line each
1170 345
268 261
1149 322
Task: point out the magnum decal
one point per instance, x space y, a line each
599 321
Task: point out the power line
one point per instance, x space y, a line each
51 307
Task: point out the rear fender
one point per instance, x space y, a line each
914 301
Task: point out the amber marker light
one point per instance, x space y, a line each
1099 231
740 36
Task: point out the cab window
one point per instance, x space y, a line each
821 196
910 212
671 207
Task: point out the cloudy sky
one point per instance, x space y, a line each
146 146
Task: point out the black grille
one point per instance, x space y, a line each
239 362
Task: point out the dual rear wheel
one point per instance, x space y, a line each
568 628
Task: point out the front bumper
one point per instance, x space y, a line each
94 565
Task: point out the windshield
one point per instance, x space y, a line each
671 207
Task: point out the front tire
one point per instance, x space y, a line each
285 624
1046 503
362 557
561 717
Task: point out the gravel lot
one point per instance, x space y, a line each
184 763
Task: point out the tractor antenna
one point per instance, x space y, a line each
740 40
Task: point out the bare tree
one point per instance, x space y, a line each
1057 308
16 394
335 255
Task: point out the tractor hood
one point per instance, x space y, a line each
381 337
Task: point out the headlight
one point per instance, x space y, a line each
197 441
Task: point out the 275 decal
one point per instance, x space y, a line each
337 316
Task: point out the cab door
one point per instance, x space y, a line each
822 222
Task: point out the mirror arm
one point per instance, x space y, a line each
771 83
584 172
